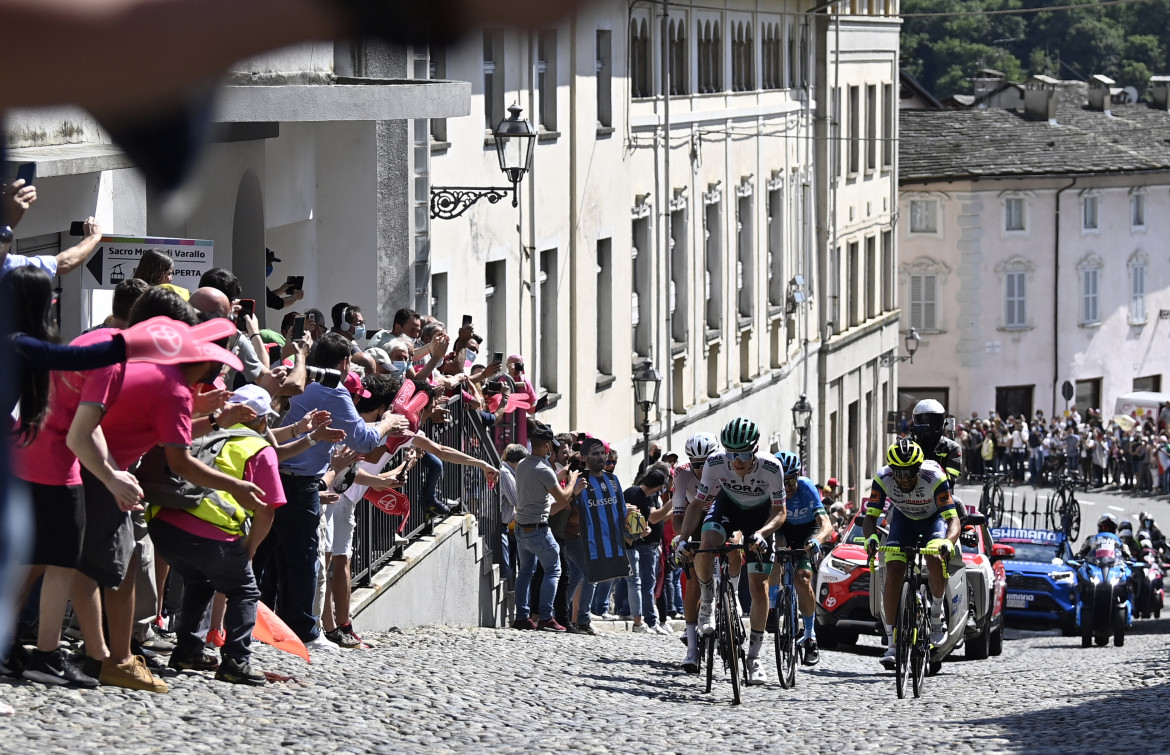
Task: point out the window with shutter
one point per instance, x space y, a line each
929 303
1015 311
1089 294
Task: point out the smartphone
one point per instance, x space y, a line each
498 357
27 171
298 330
247 307
467 321
296 283
77 228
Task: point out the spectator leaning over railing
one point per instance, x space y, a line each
294 541
539 495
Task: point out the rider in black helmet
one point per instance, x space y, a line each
927 428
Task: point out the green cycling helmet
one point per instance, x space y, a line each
740 434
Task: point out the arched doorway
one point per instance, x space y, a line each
248 241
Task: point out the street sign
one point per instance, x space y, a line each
1067 391
117 256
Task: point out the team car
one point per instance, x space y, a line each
1041 586
986 587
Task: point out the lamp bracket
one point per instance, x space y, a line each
449 202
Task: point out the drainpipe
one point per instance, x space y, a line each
1056 301
533 263
667 233
574 212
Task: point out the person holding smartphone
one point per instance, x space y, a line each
523 388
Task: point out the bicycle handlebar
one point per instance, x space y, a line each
910 551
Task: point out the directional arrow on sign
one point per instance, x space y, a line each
95 264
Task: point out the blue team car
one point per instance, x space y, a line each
1041 586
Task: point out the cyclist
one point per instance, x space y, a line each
807 524
741 483
922 513
688 515
927 429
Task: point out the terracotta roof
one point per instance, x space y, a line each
963 144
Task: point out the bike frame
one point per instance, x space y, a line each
911 631
729 635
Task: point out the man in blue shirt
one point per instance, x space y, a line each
293 539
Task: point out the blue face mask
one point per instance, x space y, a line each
359 332
399 366
268 271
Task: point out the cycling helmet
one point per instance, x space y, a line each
740 434
929 416
1107 520
701 445
790 463
1126 526
904 453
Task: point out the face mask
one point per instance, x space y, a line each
359 332
399 366
268 271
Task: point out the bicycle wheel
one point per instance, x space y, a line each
727 609
920 653
903 631
995 507
786 637
1070 518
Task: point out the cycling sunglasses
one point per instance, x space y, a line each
742 455
697 466
905 473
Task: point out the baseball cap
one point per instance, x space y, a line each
832 483
271 336
541 431
255 398
271 255
353 384
380 356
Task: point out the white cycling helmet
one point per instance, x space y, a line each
702 445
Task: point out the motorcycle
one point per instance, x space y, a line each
1150 591
1104 606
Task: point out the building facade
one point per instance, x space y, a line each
1034 251
680 229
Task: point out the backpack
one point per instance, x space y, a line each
988 450
162 487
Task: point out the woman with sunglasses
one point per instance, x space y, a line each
746 490
921 511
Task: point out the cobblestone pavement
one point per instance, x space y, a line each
475 690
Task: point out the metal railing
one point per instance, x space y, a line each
380 538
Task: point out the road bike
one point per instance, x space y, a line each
912 622
788 649
1064 508
729 637
991 499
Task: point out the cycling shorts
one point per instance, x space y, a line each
906 532
725 517
795 536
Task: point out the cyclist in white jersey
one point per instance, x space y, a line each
688 516
747 490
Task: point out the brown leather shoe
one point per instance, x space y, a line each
131 675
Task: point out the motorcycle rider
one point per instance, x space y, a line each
1106 530
921 513
929 421
1146 520
1125 532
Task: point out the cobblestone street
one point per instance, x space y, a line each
501 690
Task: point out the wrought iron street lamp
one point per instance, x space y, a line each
515 138
911 343
802 412
647 382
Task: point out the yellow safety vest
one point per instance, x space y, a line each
218 507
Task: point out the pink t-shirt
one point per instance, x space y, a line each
48 460
261 469
153 409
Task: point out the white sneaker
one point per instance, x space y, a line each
755 675
667 628
641 629
320 643
693 661
707 616
659 629
888 660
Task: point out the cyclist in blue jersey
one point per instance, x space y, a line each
747 491
806 526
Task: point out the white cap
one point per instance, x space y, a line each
254 397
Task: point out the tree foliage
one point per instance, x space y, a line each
1128 43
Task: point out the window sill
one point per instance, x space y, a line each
913 232
1138 323
552 400
1015 328
776 312
489 141
745 323
605 131
1095 324
1140 229
678 349
1090 231
548 136
603 382
714 337
440 146
1015 232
